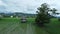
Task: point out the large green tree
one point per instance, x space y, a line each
43 15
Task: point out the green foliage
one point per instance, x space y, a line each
59 19
12 26
43 16
0 18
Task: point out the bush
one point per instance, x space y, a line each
59 19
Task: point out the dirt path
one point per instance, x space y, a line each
15 28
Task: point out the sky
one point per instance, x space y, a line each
26 6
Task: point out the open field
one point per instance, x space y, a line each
14 26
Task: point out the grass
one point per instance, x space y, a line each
53 27
14 26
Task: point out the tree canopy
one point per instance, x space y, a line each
43 16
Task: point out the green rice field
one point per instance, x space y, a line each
14 26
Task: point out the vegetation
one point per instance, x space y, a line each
43 16
0 17
14 26
17 14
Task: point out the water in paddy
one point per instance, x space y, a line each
21 28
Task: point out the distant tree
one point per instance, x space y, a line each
43 16
54 12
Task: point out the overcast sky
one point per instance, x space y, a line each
27 6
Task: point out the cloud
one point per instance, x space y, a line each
21 5
1 3
28 6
